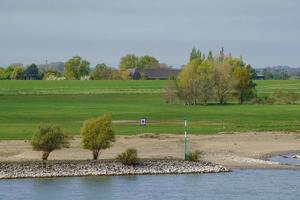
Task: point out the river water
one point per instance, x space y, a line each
239 184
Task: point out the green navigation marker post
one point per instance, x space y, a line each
185 138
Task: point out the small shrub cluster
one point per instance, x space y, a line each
194 156
129 157
285 97
278 97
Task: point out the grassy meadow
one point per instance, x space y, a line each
26 104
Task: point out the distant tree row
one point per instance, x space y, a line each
78 68
131 61
19 73
215 78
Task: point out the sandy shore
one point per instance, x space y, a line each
241 150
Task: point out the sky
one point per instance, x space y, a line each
264 32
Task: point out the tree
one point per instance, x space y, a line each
222 79
189 83
253 72
206 81
76 67
130 61
222 55
196 54
170 92
17 73
2 74
210 56
196 82
102 72
31 73
147 62
48 139
8 72
51 74
242 83
97 134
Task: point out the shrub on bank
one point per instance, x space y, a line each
97 134
194 156
128 157
48 139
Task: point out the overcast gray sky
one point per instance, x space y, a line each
265 32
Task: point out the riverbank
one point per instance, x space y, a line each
236 150
38 169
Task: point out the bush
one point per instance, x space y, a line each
48 139
282 97
129 157
263 100
170 92
194 156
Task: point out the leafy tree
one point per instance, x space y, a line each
201 79
206 82
243 84
253 72
97 134
222 55
196 82
31 73
2 74
147 62
196 54
17 73
102 72
188 85
170 92
222 79
48 139
210 56
76 67
8 72
129 61
51 73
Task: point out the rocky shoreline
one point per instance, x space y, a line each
39 169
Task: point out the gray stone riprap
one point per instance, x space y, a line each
103 168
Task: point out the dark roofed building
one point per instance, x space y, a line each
155 73
259 77
160 73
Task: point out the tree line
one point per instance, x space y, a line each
77 68
215 78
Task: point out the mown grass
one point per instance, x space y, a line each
25 105
20 87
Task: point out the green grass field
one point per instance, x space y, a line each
26 104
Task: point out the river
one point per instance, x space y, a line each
239 184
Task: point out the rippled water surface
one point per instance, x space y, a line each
240 184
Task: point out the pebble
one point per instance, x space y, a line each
34 169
